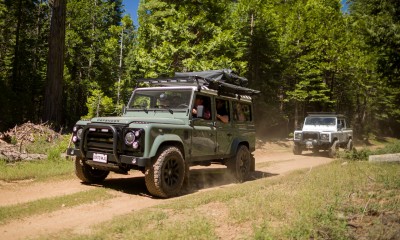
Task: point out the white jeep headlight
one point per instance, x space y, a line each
324 136
297 136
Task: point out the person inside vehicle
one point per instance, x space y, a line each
222 114
200 102
239 113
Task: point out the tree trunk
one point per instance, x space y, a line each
55 65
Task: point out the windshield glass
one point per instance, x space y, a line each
328 121
161 99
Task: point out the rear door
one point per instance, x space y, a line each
224 129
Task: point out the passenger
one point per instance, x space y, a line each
222 114
200 102
240 115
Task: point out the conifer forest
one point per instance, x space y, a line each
64 60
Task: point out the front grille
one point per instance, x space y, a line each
97 141
310 136
100 138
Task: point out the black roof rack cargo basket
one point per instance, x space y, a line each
225 81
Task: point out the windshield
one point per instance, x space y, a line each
328 121
161 99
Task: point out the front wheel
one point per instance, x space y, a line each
164 178
297 149
87 173
241 164
349 146
332 150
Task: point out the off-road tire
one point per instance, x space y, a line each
297 150
164 178
240 164
349 145
332 150
87 173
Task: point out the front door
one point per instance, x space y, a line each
204 133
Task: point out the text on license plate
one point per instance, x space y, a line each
98 157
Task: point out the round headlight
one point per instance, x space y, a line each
297 136
324 137
79 133
74 139
129 138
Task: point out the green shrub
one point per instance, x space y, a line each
54 153
363 154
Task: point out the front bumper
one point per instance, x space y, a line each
111 161
310 144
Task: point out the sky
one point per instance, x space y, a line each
131 7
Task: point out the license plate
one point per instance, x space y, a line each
98 157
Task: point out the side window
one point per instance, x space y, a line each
222 110
341 124
241 112
202 107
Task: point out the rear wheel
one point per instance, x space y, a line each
241 164
87 173
164 178
332 150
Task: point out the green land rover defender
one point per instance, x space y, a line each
193 118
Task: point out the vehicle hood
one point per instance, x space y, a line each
319 128
129 120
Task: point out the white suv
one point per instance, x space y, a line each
323 131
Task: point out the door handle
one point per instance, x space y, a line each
229 134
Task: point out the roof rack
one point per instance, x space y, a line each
324 114
224 81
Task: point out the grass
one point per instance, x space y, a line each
37 170
391 146
54 166
17 211
320 204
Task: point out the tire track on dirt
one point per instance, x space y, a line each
131 195
78 219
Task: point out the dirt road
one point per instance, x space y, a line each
130 193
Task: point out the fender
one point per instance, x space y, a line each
235 145
160 140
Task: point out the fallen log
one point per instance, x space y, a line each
395 157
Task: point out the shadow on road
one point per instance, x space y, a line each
199 179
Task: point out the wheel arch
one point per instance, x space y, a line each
236 143
167 140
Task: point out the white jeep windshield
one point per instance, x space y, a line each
160 99
326 121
